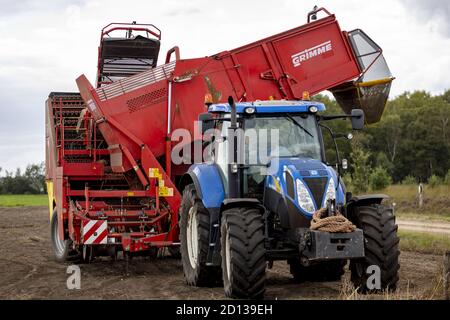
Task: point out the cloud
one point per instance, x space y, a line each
183 11
433 13
14 7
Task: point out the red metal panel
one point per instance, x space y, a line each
317 60
83 169
256 71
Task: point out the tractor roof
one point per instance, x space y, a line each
269 106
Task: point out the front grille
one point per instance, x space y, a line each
317 187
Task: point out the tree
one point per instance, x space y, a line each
434 181
379 179
34 174
409 180
32 181
412 138
361 170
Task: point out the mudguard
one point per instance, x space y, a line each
367 199
363 200
208 183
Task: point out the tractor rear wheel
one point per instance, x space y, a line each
243 253
61 248
194 238
381 248
322 271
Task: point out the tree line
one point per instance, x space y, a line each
30 181
410 144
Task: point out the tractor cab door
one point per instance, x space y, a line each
251 180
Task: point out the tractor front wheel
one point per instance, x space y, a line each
381 249
243 253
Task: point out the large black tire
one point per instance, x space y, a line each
243 253
381 247
322 271
62 249
194 219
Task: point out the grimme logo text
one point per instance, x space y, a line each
311 53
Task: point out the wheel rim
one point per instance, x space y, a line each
192 237
228 255
59 244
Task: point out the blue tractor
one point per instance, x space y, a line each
238 216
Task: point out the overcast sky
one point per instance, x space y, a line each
46 45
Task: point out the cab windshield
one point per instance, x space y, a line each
283 135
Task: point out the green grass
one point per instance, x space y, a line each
436 202
20 200
409 192
424 242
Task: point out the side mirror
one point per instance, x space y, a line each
357 119
206 120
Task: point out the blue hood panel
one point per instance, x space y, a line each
209 181
301 168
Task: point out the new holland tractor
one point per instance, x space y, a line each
237 214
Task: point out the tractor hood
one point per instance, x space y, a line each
306 183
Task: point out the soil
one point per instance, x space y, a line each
29 271
424 226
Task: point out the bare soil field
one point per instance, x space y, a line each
28 271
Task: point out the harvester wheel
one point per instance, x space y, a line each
194 237
381 247
323 271
243 253
62 248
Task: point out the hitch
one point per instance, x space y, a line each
318 245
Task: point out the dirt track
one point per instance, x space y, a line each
28 271
424 226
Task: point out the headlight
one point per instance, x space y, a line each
304 199
331 191
249 110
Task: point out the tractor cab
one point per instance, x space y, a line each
269 132
273 151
